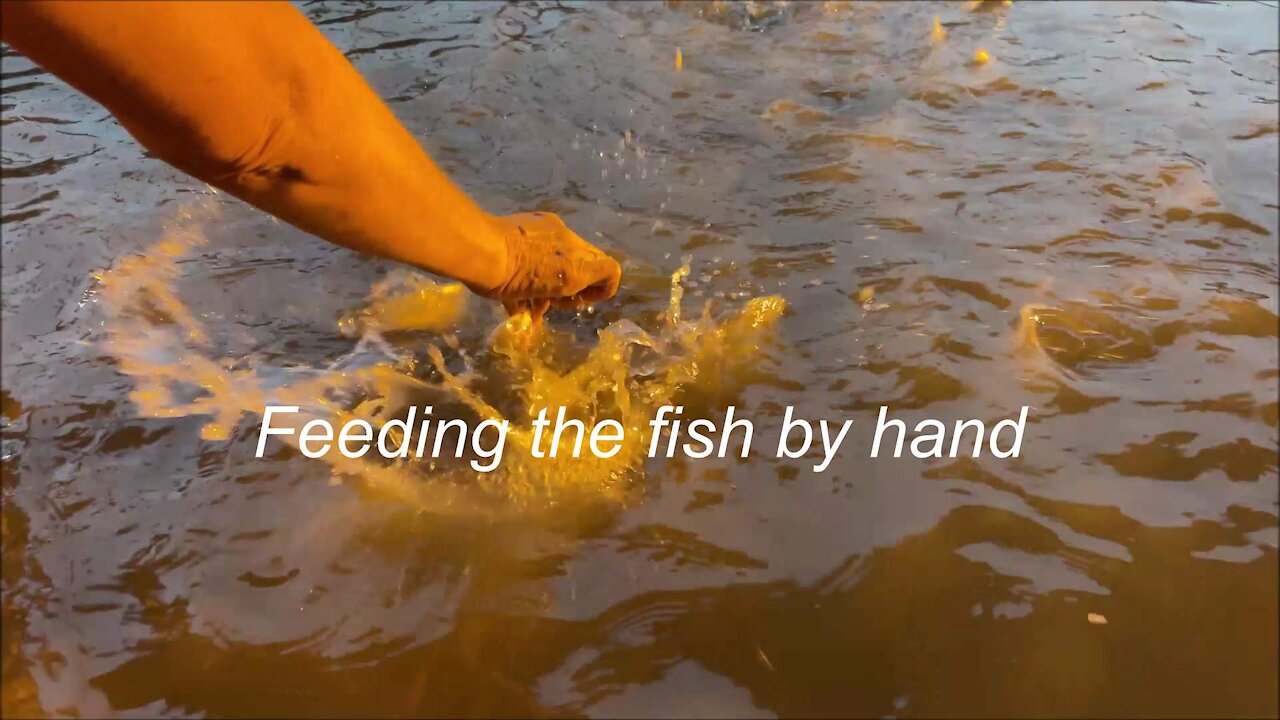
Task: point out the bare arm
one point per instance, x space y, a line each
251 98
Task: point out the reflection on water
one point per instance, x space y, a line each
1086 224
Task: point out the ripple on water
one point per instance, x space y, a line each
1084 224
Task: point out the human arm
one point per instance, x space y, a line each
252 99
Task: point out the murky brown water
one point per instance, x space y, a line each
1086 224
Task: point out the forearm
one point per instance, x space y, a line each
252 99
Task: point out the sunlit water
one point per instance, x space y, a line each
1085 223
624 376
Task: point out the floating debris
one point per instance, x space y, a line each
679 60
1097 619
764 658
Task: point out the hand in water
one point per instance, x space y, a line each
257 125
550 266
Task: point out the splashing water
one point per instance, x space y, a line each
625 376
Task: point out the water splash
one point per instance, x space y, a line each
624 376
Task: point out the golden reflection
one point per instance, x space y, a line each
625 376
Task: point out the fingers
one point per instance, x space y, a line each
536 308
607 286
597 279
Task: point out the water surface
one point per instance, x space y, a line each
1085 224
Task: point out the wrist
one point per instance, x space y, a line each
491 261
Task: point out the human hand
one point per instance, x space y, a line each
550 266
